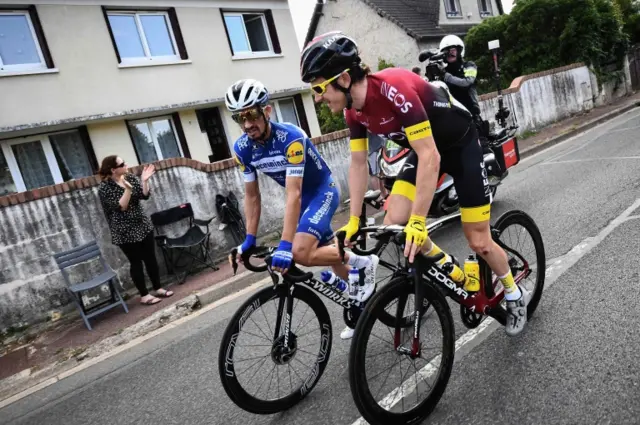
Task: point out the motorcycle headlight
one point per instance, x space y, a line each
391 170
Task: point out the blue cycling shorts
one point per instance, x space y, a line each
317 211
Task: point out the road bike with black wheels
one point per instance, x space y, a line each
423 353
277 344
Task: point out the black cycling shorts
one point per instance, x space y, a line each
465 164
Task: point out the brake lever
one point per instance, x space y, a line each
341 236
233 261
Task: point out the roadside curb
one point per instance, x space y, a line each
193 305
159 322
577 130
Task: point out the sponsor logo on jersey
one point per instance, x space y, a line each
314 232
398 99
441 104
324 208
295 172
281 135
243 142
315 158
274 164
295 153
384 120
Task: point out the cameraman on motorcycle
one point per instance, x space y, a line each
460 76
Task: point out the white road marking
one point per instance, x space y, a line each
570 161
553 272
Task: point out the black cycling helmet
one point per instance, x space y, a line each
328 55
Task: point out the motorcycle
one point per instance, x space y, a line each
500 149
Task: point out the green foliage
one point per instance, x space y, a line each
543 34
630 12
329 122
382 64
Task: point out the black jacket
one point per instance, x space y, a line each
461 80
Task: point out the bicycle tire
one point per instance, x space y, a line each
368 407
523 219
226 369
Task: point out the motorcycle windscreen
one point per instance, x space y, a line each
393 152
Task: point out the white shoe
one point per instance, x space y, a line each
369 286
347 333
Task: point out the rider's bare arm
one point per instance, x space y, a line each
358 174
292 209
422 142
252 206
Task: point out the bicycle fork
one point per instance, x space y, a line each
419 308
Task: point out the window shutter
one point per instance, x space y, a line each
113 39
181 137
272 31
226 31
302 116
37 27
88 147
175 26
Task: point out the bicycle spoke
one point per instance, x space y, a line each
385 380
301 318
253 364
257 336
259 328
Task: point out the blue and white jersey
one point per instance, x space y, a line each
288 152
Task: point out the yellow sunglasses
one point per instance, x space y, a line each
321 88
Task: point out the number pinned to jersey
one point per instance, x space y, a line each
295 153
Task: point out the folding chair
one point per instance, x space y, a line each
194 237
78 255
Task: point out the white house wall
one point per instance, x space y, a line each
377 37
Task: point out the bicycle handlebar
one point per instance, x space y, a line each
294 275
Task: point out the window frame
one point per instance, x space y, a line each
156 146
45 141
488 12
268 26
147 58
453 14
29 66
276 104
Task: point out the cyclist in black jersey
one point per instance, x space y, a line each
399 105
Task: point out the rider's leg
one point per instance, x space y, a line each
474 194
314 233
400 203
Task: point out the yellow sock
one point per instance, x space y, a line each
512 292
456 274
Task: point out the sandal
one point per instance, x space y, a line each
164 294
151 301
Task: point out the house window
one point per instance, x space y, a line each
285 111
453 8
485 8
155 139
144 37
251 33
22 44
43 160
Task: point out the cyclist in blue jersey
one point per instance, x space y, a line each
285 153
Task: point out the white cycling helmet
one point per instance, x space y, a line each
450 41
245 94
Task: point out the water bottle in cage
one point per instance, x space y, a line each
354 282
335 281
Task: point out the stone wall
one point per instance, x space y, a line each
38 223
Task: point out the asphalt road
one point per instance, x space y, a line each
575 363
